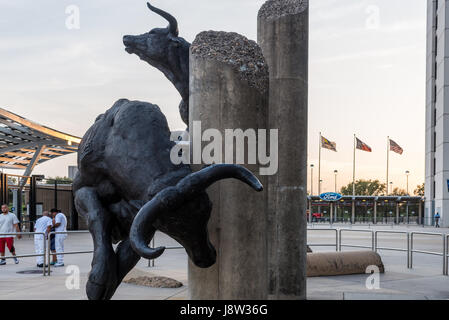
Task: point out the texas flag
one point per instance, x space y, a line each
363 146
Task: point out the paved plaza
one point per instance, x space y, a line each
424 281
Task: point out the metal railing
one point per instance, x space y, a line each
446 256
26 255
407 250
325 244
48 265
340 245
153 245
409 239
442 254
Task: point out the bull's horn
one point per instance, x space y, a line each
201 180
172 197
172 20
142 223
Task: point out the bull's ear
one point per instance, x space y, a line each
176 41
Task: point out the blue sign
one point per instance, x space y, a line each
447 185
330 196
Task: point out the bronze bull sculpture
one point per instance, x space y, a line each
127 186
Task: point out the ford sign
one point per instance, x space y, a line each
330 196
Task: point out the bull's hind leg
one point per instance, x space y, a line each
103 280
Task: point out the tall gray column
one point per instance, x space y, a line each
283 36
331 205
375 212
229 90
353 211
420 213
397 212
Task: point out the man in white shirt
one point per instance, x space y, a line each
60 224
42 225
8 224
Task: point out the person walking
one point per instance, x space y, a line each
8 224
42 225
437 220
60 224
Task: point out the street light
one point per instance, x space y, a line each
311 179
391 188
321 182
336 172
407 173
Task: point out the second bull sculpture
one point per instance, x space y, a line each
127 187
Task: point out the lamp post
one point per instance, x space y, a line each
391 188
321 182
311 179
407 173
335 172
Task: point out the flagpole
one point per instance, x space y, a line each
353 170
319 168
388 161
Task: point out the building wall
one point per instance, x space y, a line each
45 195
437 112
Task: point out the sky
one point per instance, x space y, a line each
366 72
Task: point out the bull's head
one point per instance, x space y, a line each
183 212
164 50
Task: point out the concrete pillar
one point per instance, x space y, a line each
420 212
283 32
331 205
229 90
353 212
407 215
397 212
375 212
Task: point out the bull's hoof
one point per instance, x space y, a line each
99 291
102 281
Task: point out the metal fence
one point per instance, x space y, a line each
153 245
409 248
409 243
47 264
26 255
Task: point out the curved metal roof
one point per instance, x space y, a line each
25 144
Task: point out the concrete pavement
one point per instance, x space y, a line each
424 281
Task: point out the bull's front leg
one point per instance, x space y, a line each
102 281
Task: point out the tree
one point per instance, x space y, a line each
365 188
399 192
59 180
419 191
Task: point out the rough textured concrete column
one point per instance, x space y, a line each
229 90
283 36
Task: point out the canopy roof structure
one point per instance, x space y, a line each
25 144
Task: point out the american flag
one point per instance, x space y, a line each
395 147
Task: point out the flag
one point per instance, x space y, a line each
325 143
363 146
395 147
